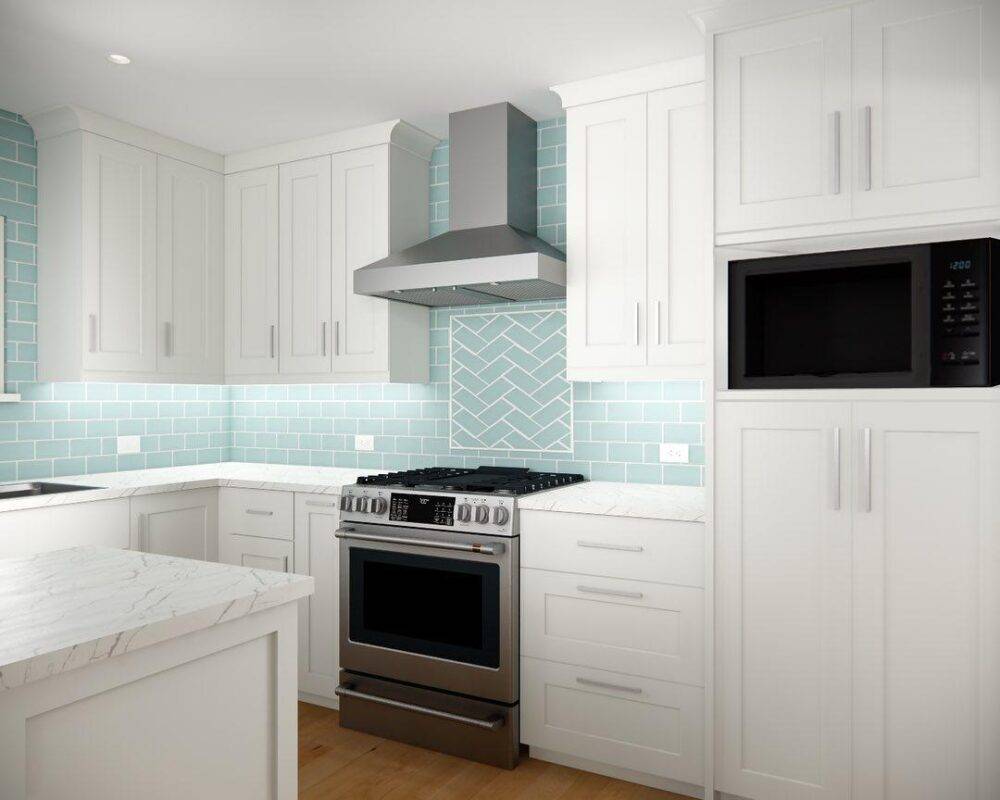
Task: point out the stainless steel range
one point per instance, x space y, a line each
429 607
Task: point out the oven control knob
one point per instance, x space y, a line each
463 512
482 515
379 505
362 505
346 503
500 515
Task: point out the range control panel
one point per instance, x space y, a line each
493 514
960 301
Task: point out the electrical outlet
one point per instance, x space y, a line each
128 445
671 453
364 443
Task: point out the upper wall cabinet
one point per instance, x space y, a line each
636 224
875 116
130 253
296 233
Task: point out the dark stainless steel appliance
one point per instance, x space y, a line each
429 607
918 315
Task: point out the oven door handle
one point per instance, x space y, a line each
491 724
486 549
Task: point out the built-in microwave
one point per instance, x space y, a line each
917 315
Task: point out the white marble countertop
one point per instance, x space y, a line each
647 501
65 609
278 477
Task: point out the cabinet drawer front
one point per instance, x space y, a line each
614 547
257 553
257 512
635 723
646 629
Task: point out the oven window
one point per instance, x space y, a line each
442 607
829 321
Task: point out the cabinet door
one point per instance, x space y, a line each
317 553
606 227
119 257
926 623
305 267
103 523
189 270
927 105
783 100
252 272
252 551
677 227
360 236
783 594
184 524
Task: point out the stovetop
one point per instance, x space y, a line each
511 481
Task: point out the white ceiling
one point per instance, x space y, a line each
230 75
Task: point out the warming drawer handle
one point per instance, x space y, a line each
474 547
491 724
628 548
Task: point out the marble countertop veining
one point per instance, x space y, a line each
64 609
648 501
278 477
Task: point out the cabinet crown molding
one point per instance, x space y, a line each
395 132
55 121
664 75
724 16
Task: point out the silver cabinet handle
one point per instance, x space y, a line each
609 592
93 333
658 338
274 347
491 724
866 469
143 535
475 547
336 337
627 548
320 504
836 469
636 326
866 148
259 512
835 152
614 686
323 338
168 343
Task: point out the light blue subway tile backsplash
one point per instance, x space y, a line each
608 431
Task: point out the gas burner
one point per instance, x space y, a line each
509 481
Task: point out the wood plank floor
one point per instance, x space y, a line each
335 763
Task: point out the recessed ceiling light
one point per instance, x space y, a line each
118 58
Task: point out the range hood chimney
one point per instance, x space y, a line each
490 253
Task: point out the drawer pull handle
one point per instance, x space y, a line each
627 548
615 686
260 512
609 592
318 503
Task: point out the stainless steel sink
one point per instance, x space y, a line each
11 490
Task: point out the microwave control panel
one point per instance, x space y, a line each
961 289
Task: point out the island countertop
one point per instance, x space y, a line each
65 609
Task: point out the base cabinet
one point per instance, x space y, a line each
252 551
183 524
858 600
103 523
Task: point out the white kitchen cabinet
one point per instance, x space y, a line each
252 300
264 513
374 339
100 523
128 223
637 221
184 524
189 270
251 551
317 518
783 563
928 106
305 271
858 600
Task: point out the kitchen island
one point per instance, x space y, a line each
127 674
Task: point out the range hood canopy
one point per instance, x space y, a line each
491 253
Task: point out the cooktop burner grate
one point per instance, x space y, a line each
493 480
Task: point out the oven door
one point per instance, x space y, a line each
431 608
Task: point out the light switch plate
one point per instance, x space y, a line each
671 453
128 445
364 443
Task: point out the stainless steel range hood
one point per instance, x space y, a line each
491 253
